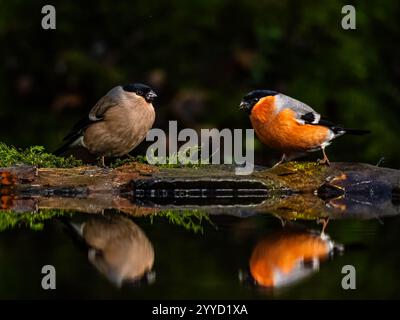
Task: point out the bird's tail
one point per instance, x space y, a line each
357 132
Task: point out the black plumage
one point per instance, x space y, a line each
309 118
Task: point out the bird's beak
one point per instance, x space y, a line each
150 96
244 106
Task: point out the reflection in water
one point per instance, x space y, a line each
5 200
119 249
288 256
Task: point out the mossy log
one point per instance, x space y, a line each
292 190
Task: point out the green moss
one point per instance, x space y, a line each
191 220
35 156
301 215
120 162
182 159
32 220
176 160
304 165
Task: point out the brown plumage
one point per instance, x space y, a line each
116 124
118 248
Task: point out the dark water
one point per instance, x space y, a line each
151 257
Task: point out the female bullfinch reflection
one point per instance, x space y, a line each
119 249
285 257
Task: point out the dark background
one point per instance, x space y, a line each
201 57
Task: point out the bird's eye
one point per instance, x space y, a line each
140 93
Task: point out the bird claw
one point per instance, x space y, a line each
277 164
284 159
324 221
102 162
324 162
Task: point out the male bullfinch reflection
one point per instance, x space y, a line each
119 249
287 256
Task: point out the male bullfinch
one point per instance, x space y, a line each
117 123
288 125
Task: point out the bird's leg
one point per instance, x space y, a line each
281 219
324 222
102 162
282 160
325 160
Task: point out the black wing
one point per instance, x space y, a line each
309 118
75 133
95 115
78 128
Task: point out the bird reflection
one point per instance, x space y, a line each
119 249
288 256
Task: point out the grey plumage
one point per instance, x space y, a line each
300 108
292 126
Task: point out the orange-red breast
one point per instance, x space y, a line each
288 125
287 256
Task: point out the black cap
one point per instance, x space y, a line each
253 97
141 90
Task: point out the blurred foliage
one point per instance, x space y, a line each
202 57
191 220
32 220
35 156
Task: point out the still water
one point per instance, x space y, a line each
195 255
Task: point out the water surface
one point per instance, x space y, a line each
191 254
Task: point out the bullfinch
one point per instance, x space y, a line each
288 125
117 123
118 248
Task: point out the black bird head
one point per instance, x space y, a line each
251 99
141 90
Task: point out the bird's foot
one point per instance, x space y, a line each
325 160
283 159
101 162
277 164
